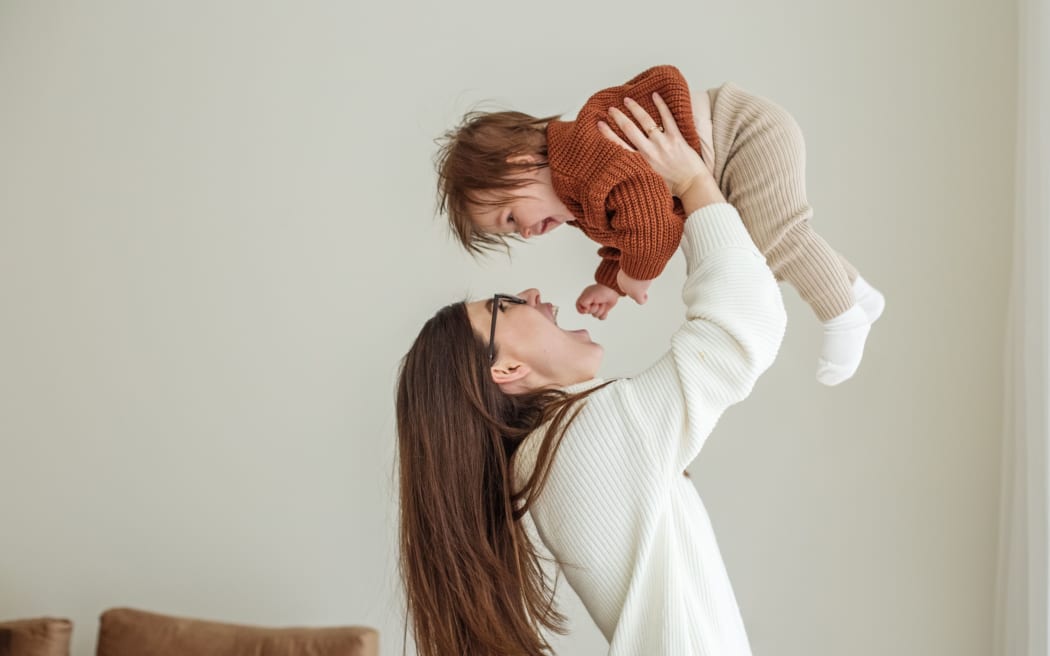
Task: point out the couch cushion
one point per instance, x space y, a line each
129 632
44 636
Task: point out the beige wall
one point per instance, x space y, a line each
216 241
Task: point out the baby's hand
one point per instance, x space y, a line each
596 300
638 290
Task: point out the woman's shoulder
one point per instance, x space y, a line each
598 413
616 405
621 419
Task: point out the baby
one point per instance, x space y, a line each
505 174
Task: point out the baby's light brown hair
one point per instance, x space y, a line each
474 157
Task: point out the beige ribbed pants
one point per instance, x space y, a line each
759 162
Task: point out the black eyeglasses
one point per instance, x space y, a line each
495 310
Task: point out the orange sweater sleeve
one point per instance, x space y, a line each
647 232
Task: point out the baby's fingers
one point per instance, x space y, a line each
586 305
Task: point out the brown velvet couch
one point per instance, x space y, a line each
130 632
44 636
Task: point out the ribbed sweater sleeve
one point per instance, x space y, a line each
647 229
735 321
630 531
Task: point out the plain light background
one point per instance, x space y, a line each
217 239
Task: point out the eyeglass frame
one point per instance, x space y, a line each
496 298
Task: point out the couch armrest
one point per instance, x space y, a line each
130 632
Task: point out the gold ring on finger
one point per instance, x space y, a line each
653 127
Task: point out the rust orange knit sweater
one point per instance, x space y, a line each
617 199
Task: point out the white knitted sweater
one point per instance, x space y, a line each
629 529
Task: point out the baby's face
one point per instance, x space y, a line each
533 210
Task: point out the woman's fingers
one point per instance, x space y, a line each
636 136
608 133
666 116
649 125
667 153
649 129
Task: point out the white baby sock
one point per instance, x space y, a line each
844 335
843 345
868 298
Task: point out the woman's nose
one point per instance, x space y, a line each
531 296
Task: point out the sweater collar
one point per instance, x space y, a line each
576 388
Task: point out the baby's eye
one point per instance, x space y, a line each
510 218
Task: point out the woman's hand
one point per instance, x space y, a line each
665 150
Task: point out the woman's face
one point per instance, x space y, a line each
532 351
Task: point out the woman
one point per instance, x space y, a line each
499 412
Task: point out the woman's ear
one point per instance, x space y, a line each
509 373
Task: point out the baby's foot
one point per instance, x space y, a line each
846 334
843 346
869 298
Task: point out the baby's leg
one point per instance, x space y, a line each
760 164
704 127
870 299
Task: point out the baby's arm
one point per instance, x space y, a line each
638 290
596 300
610 276
648 232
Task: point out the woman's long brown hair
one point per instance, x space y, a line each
473 579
